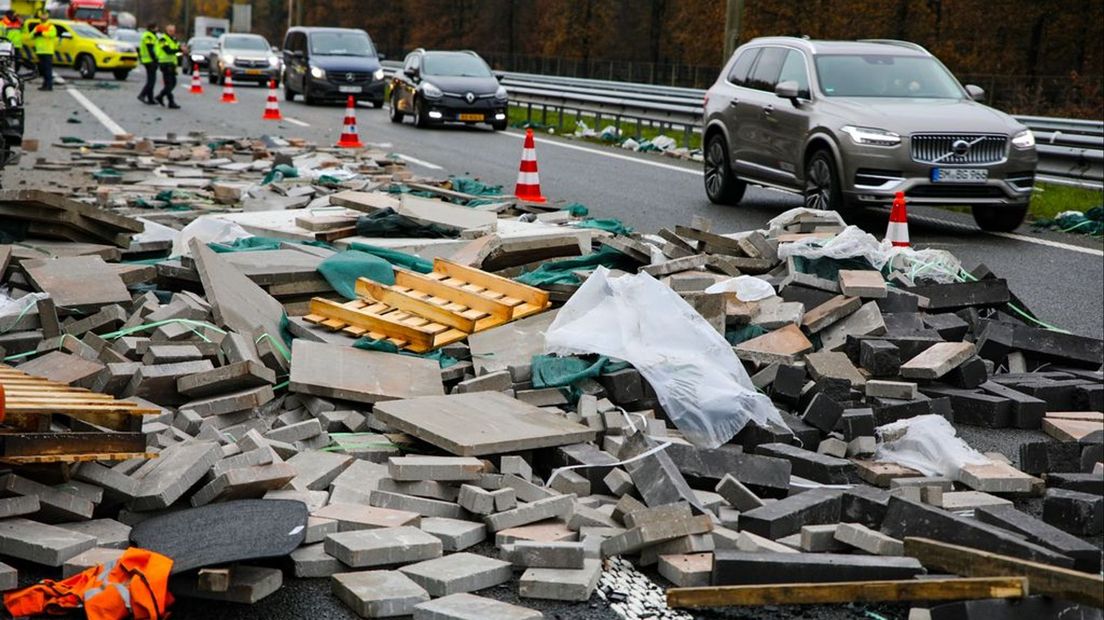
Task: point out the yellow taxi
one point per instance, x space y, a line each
86 49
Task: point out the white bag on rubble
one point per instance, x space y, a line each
701 384
207 230
851 242
747 288
777 224
928 444
664 143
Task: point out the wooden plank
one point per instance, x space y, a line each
419 341
506 286
39 444
77 458
846 592
456 295
1044 579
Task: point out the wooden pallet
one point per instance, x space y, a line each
31 402
422 312
44 459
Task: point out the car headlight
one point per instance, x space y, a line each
318 73
107 47
378 75
501 93
871 137
431 91
228 59
1024 140
273 61
197 57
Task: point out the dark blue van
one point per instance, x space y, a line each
329 64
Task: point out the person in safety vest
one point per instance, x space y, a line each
45 38
11 28
134 586
147 55
168 56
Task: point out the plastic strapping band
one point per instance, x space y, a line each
275 343
642 455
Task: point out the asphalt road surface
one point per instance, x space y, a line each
1060 277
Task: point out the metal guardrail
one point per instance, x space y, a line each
1071 151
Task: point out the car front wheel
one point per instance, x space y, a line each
87 67
721 186
822 187
993 218
394 113
421 115
121 74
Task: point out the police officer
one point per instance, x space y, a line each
168 56
11 28
45 37
147 54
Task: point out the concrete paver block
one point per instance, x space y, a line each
459 572
378 594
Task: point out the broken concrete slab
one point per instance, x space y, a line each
346 373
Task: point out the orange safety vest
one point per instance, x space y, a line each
134 586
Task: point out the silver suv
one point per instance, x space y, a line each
853 123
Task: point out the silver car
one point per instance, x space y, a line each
850 124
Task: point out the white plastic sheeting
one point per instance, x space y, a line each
928 444
207 230
747 288
701 384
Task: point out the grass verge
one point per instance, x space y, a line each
519 114
1050 200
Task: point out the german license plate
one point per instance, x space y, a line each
349 89
959 175
471 117
253 72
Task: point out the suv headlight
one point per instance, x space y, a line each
318 73
273 61
107 47
197 57
228 59
431 91
871 137
501 93
378 75
1024 140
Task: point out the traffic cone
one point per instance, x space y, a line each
528 181
272 106
349 138
897 231
228 95
197 84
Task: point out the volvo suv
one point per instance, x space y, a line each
850 124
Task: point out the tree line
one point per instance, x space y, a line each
1042 53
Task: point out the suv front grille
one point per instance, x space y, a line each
250 63
939 148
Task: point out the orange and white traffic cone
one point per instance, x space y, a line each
528 181
349 138
197 84
897 231
228 95
272 106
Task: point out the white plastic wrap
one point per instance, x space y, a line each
851 242
207 230
938 265
927 444
699 381
747 288
779 222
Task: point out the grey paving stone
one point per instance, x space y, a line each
378 594
561 584
178 468
41 543
312 561
557 506
471 607
459 572
455 534
107 532
383 547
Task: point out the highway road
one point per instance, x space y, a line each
1058 276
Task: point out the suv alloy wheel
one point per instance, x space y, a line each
721 186
822 188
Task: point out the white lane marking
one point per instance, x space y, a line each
604 154
1038 241
95 110
414 160
1049 243
295 121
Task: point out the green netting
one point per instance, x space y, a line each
395 257
474 187
577 209
388 223
829 268
342 270
385 346
611 225
260 244
561 271
1090 222
743 334
280 172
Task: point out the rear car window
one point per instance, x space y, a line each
740 69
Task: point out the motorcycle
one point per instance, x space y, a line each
11 105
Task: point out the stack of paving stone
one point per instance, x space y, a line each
432 481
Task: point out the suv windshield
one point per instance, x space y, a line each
85 30
341 44
455 65
129 36
253 44
201 45
877 75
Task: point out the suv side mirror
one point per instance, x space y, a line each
787 90
410 72
66 35
976 92
499 76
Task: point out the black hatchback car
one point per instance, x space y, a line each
331 64
438 87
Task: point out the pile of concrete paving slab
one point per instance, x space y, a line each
429 477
